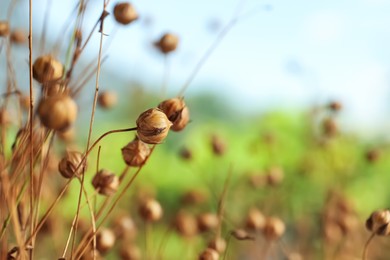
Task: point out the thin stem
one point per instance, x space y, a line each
227 246
365 250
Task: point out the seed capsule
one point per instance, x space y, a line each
130 252
218 145
241 234
105 240
378 222
69 164
218 244
186 224
207 221
18 36
57 112
335 106
135 153
125 13
274 228
275 176
255 220
124 227
177 112
167 43
209 254
107 99
46 68
151 210
106 182
153 126
4 28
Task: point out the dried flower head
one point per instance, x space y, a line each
18 36
207 221
186 224
378 222
153 126
177 112
130 252
46 68
167 43
135 153
125 13
105 182
274 228
69 163
4 28
151 210
105 240
57 112
209 254
107 99
255 220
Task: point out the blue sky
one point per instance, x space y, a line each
291 54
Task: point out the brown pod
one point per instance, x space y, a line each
378 222
194 197
218 145
373 155
124 227
151 210
209 254
69 163
130 252
207 221
177 112
218 244
18 36
185 224
167 43
46 68
255 220
153 126
186 154
105 182
135 153
105 240
57 112
335 106
4 28
125 13
241 234
107 99
274 228
275 176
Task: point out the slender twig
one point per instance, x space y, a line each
365 250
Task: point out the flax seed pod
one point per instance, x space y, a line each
46 69
135 153
130 252
4 28
255 220
125 228
186 224
177 112
153 126
373 155
335 106
209 254
275 176
105 182
125 13
241 234
57 112
218 244
185 154
207 221
105 240
329 127
107 99
167 43
18 36
151 210
274 228
69 163
218 145
194 197
378 222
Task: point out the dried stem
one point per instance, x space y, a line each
365 250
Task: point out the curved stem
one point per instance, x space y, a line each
365 251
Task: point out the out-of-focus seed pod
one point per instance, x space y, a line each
194 197
69 164
207 221
24 102
275 176
378 222
274 228
177 112
218 244
255 220
125 13
218 145
373 155
329 127
151 210
167 43
241 234
107 99
18 36
105 240
135 153
4 28
89 254
5 118
105 182
257 180
185 154
125 228
335 106
186 224
130 252
153 126
209 254
57 112
46 68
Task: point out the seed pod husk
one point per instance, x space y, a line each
135 153
57 112
106 182
4 28
177 112
105 240
153 126
167 43
46 69
130 252
209 254
207 221
378 222
107 99
125 13
274 228
151 210
69 163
